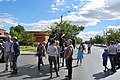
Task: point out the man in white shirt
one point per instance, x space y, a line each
8 53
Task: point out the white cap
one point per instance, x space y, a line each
15 37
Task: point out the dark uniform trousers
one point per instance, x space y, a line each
69 67
40 61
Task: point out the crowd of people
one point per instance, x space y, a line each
57 51
113 53
59 54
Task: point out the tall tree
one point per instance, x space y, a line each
70 30
23 36
113 35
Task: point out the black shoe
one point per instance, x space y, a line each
66 75
14 73
62 66
39 69
67 78
58 75
42 64
50 77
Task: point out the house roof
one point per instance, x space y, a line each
34 30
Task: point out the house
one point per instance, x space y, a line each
39 36
3 34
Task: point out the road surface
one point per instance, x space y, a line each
91 68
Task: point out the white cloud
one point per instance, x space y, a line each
90 34
57 4
43 25
76 7
7 20
101 9
113 27
55 9
68 7
1 26
7 0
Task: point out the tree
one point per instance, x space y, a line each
70 30
97 39
21 34
113 35
78 40
27 37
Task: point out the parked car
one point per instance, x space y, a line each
100 45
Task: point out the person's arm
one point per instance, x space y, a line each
5 48
109 49
56 50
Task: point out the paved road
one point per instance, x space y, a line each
91 69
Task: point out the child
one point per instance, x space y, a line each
105 58
79 55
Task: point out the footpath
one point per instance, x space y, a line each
28 52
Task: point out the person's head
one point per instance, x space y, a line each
53 43
69 42
8 37
105 50
57 43
14 39
43 43
1 40
53 33
62 31
112 42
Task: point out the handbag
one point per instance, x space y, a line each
38 54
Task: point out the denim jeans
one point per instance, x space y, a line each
15 68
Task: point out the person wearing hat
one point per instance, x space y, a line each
112 55
16 53
62 44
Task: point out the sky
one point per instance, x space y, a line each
96 15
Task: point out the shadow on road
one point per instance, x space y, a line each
101 75
31 71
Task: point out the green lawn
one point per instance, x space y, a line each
27 48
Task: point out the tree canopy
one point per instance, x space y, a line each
22 35
70 30
110 35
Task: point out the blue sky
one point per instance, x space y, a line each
95 15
